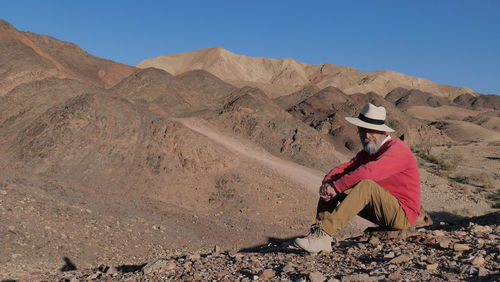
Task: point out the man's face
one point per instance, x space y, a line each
371 139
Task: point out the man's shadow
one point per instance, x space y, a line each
275 245
68 266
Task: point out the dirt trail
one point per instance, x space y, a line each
308 178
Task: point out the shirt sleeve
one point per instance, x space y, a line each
388 163
340 170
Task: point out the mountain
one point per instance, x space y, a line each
188 92
282 77
26 56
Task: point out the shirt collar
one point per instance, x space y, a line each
385 140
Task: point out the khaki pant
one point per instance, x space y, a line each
366 199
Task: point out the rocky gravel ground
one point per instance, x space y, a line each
465 250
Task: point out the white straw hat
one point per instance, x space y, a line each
371 117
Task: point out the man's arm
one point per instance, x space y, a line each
392 161
338 171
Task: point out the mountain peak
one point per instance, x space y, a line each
283 77
6 25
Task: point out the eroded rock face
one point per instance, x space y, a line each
326 111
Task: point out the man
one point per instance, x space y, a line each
381 184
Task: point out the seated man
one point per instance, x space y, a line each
381 184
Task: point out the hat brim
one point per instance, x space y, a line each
360 123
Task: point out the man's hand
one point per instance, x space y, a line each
326 192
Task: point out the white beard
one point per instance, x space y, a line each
371 148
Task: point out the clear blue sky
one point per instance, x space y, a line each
452 42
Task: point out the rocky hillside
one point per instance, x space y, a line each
26 56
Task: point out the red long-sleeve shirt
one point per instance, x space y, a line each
393 167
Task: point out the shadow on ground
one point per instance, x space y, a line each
275 245
449 221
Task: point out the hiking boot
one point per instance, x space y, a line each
316 241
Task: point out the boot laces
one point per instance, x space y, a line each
317 232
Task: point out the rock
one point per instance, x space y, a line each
390 255
316 276
112 270
396 275
288 268
374 241
424 219
438 233
266 274
93 276
478 260
449 276
216 249
461 247
482 272
170 266
193 257
481 229
400 259
433 266
238 256
444 242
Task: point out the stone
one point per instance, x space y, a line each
444 242
461 247
316 276
482 272
438 233
193 257
112 270
481 229
400 259
374 240
478 260
449 276
170 266
433 266
390 255
267 273
288 268
238 256
216 249
396 275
